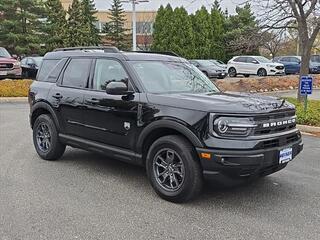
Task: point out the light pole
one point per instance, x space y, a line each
134 21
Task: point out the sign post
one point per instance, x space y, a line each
305 89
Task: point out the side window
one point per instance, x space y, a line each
46 67
55 72
240 59
294 59
106 71
77 73
250 60
285 59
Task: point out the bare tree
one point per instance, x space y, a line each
273 41
303 15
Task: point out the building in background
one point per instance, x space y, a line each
145 21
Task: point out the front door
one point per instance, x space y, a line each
110 119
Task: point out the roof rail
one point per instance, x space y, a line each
109 49
163 53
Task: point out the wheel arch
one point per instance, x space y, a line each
262 68
42 108
162 128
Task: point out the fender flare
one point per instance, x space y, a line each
185 131
46 106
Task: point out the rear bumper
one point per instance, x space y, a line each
232 165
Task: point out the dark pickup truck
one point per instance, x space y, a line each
160 112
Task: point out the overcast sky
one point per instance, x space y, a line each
190 5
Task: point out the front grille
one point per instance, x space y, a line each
281 141
274 123
279 67
6 65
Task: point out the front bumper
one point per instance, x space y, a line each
11 73
232 165
274 72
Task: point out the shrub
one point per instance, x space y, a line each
312 116
14 88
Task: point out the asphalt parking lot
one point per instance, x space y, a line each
87 196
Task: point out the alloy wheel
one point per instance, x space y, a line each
169 169
43 137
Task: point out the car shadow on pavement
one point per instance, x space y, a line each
263 191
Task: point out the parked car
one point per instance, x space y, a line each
162 113
291 63
9 66
253 65
219 63
315 64
30 66
210 69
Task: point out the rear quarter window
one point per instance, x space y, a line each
46 67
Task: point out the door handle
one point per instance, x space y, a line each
93 101
57 96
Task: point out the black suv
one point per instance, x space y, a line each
160 112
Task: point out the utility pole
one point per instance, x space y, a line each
134 21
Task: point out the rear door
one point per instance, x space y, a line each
240 63
67 96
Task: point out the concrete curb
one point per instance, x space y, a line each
13 99
309 129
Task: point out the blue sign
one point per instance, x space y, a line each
306 85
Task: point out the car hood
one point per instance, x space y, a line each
7 60
229 102
274 63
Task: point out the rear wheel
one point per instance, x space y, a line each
45 138
232 72
262 72
173 169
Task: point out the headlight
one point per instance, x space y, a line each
16 64
270 65
233 126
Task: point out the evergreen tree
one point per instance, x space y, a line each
88 19
217 49
182 41
56 25
162 29
21 25
202 30
114 29
75 28
243 34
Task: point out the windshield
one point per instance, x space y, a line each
263 59
205 63
38 60
4 53
172 77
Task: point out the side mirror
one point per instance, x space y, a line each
117 88
255 62
14 56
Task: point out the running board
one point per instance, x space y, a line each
111 151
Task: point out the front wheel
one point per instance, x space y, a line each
262 72
173 169
46 140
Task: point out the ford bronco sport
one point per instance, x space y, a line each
160 112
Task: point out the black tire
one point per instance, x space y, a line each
188 185
262 72
232 72
25 74
44 130
246 75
